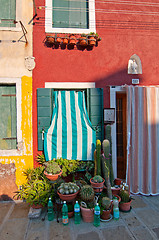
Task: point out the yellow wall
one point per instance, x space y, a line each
26 160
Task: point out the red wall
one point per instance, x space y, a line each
125 30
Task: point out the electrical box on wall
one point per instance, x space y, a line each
109 115
135 81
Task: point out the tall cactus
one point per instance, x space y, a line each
98 157
108 136
105 166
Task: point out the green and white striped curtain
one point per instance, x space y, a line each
70 134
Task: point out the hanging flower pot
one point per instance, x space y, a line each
91 40
65 41
58 40
83 40
50 39
72 40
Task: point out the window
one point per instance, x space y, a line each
10 120
70 16
9 11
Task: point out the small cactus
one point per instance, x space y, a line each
98 155
106 203
97 179
52 167
87 193
124 194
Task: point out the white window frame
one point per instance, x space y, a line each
50 29
18 18
17 82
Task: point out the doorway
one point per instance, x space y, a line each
121 134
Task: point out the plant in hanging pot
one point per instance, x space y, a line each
83 40
72 39
97 182
105 206
68 191
125 204
50 39
92 39
52 170
87 203
65 40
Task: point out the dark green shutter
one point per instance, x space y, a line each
70 14
95 110
7 13
44 112
8 119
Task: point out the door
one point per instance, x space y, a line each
121 134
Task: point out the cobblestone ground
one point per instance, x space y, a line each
142 223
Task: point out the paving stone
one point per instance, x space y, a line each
132 222
156 230
36 225
20 210
154 200
35 236
142 233
88 236
149 216
4 208
119 233
59 232
138 202
14 229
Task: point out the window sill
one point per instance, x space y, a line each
12 152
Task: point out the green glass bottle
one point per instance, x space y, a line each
50 210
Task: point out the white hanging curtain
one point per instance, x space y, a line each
143 139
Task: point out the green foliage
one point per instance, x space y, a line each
52 167
35 192
85 166
68 166
87 193
40 158
97 179
32 174
124 194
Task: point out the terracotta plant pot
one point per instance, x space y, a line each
65 41
83 41
53 177
91 41
87 214
115 191
117 181
58 40
68 197
37 206
70 214
98 187
106 214
72 40
50 39
125 207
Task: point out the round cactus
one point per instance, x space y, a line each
87 193
97 179
106 203
124 194
68 188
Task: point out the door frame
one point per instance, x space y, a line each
113 91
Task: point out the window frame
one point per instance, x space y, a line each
17 82
18 18
50 29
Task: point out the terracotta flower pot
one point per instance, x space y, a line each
91 40
68 197
52 177
82 41
50 39
87 214
72 40
65 41
117 181
70 214
106 214
115 191
125 207
98 187
36 206
58 40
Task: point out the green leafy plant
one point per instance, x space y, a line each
32 174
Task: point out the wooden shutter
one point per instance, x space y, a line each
95 110
8 120
7 13
44 112
70 14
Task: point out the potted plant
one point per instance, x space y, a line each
125 203
92 39
70 210
52 170
65 40
72 39
50 39
97 182
87 203
36 193
68 191
83 40
105 208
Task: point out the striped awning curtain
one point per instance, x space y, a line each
70 134
143 139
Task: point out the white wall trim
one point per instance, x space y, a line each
17 81
113 91
70 85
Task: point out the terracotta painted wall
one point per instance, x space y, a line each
125 30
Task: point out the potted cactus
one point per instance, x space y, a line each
68 191
105 206
87 203
97 182
83 40
52 170
125 203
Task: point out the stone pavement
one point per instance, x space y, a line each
142 223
